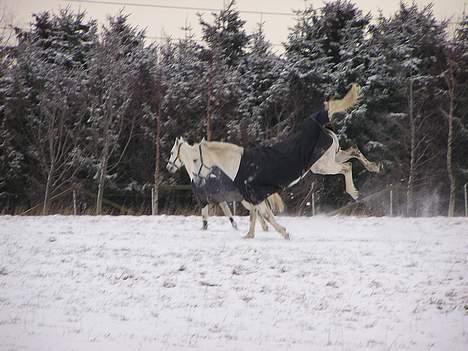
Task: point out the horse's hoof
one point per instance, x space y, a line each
354 195
380 167
205 226
234 225
287 236
375 167
248 236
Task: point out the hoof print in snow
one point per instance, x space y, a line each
124 276
332 284
169 284
246 298
52 239
3 271
182 268
238 270
204 283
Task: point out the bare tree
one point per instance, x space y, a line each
157 140
412 166
451 92
110 98
55 131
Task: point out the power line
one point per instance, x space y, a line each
155 38
119 3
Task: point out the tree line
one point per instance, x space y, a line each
97 108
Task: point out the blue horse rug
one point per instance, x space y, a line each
215 187
265 170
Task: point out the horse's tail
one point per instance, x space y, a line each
350 99
276 203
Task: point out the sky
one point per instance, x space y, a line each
162 22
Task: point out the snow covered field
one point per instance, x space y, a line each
160 283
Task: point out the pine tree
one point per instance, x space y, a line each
405 51
262 93
454 93
226 36
226 42
326 50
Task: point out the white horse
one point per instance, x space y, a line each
334 159
204 156
220 155
184 155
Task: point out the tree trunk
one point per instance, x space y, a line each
157 164
45 207
209 126
450 83
102 178
209 112
411 175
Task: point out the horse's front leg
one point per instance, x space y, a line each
262 222
354 152
227 212
204 213
253 216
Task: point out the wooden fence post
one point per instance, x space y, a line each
391 200
313 203
74 201
466 201
152 201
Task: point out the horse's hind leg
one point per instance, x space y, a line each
353 152
227 212
266 213
204 213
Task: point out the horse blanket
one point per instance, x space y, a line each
265 170
215 187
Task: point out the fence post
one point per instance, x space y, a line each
152 201
466 201
313 203
74 201
391 200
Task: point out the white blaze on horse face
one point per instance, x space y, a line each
175 162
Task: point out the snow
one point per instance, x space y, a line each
160 283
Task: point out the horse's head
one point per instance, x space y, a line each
175 163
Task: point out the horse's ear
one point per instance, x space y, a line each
203 140
181 139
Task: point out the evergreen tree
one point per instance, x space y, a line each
326 50
262 93
398 111
226 36
453 93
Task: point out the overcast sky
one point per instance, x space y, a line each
161 22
